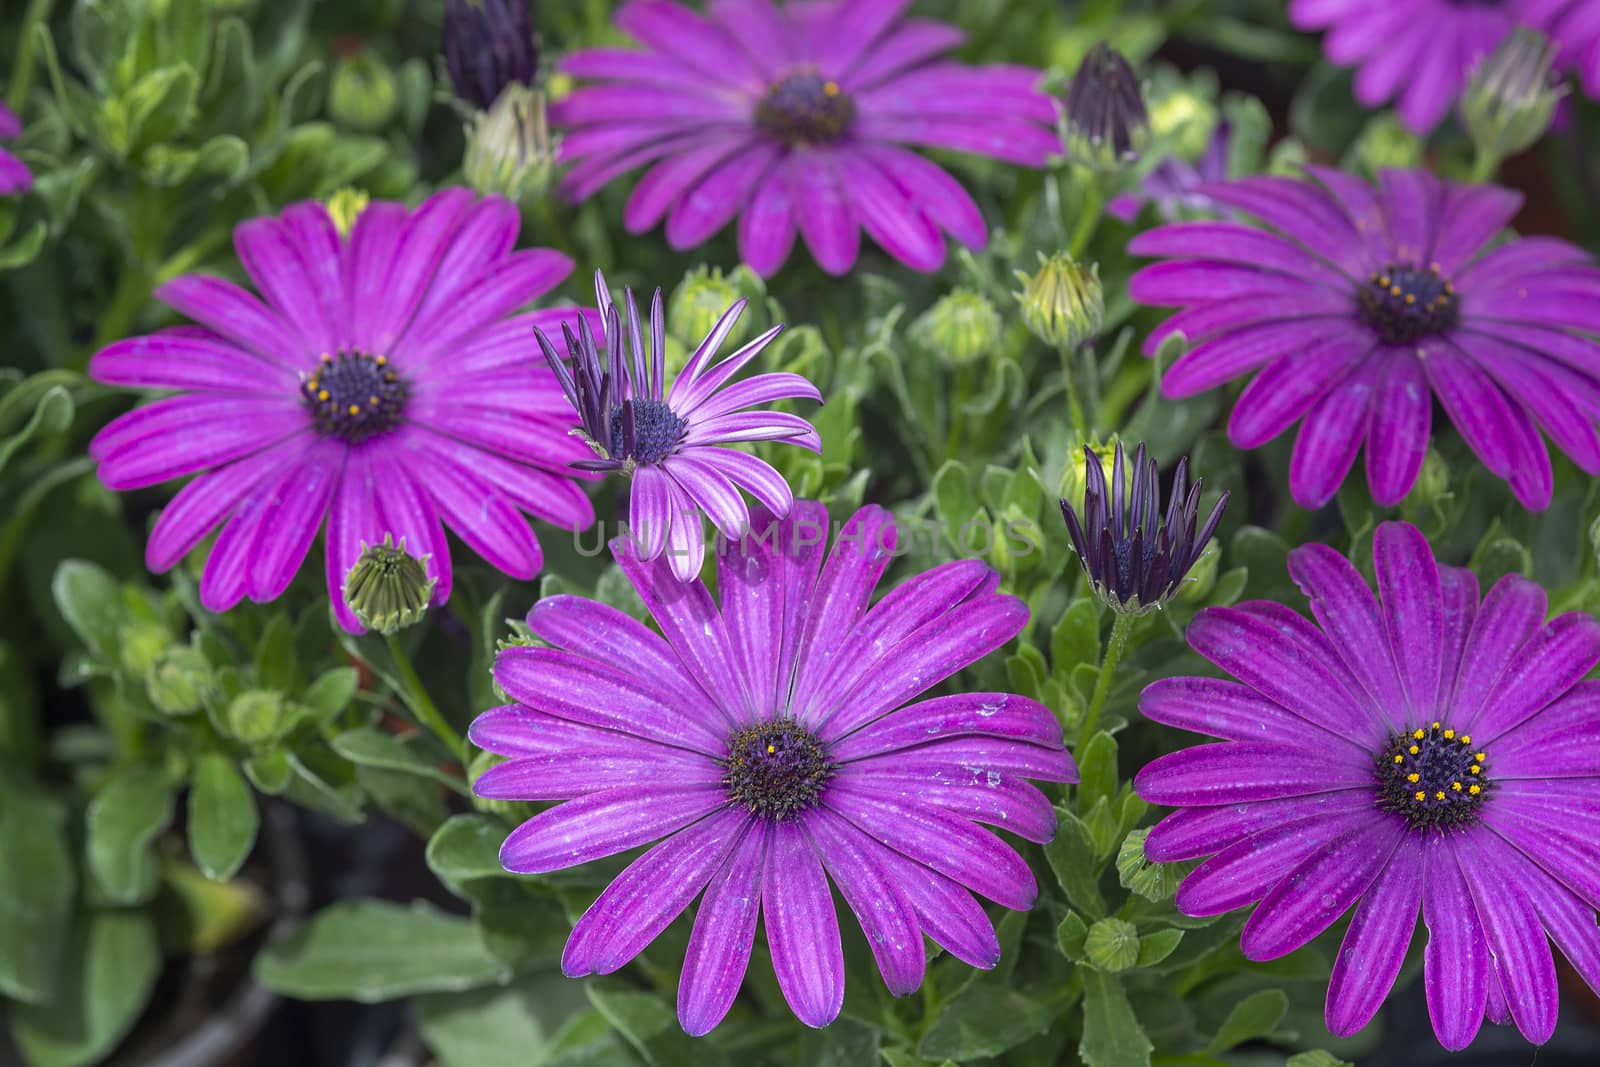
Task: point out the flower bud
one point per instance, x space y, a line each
508 149
176 681
1104 122
1511 95
1062 303
141 643
388 589
1385 143
488 45
961 327
1202 576
1112 945
256 716
702 297
1185 120
344 207
511 809
1431 488
1075 478
363 94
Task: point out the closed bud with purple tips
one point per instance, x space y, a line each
488 44
1105 123
1136 559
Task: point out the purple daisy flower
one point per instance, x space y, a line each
793 118
1420 51
670 442
1173 186
768 743
1362 302
380 383
1415 750
1574 26
15 177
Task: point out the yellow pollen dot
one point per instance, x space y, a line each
1435 725
830 88
1419 734
1421 795
312 383
381 361
1413 778
322 394
1449 735
1399 759
325 358
1480 756
772 749
355 409
1383 280
1466 739
1439 795
1434 267
1411 298
1394 290
372 400
1414 750
1474 769
1456 786
1474 790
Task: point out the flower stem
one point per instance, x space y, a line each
1121 628
22 64
1484 166
421 704
1080 425
1089 211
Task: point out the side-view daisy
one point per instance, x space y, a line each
1360 305
1415 751
791 117
670 442
764 739
381 381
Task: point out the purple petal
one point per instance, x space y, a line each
409 514
1511 614
181 359
1397 441
1019 141
910 44
1516 940
607 759
1569 922
767 227
1330 437
999 715
947 843
886 916
1205 320
1315 894
1238 352
292 510
1456 961
1006 802
1375 945
889 219
184 434
1233 242
605 634
204 502
1201 281
1526 752
1237 772
1246 871
352 522
649 894
1471 216
1230 711
946 912
237 316
995 756
860 555
713 201
602 824
1191 833
702 482
650 511
668 180
724 932
482 517
1300 211
1545 667
1413 611
932 190
756 477
504 287
751 582
1290 385
1347 611
854 29
827 222
691 39
802 927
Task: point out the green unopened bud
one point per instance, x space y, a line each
1183 119
509 152
256 716
363 94
961 327
1062 302
1202 576
704 295
388 589
1112 945
1075 478
176 681
1104 122
345 206
513 809
1511 96
141 643
1384 143
1431 488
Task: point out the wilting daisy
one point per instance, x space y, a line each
1361 303
768 743
382 382
1417 750
15 177
1136 560
670 442
792 118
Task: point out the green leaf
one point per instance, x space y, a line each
89 599
985 1020
650 1026
1097 770
1071 935
109 970
21 252
1316 1058
371 747
845 1042
330 694
51 414
160 105
1255 1016
123 820
507 1027
1076 638
1153 948
269 770
275 666
371 951
222 817
1112 1036
952 492
1071 857
37 885
465 847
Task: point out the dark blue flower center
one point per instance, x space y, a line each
1434 777
657 432
775 769
805 108
354 395
1405 304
